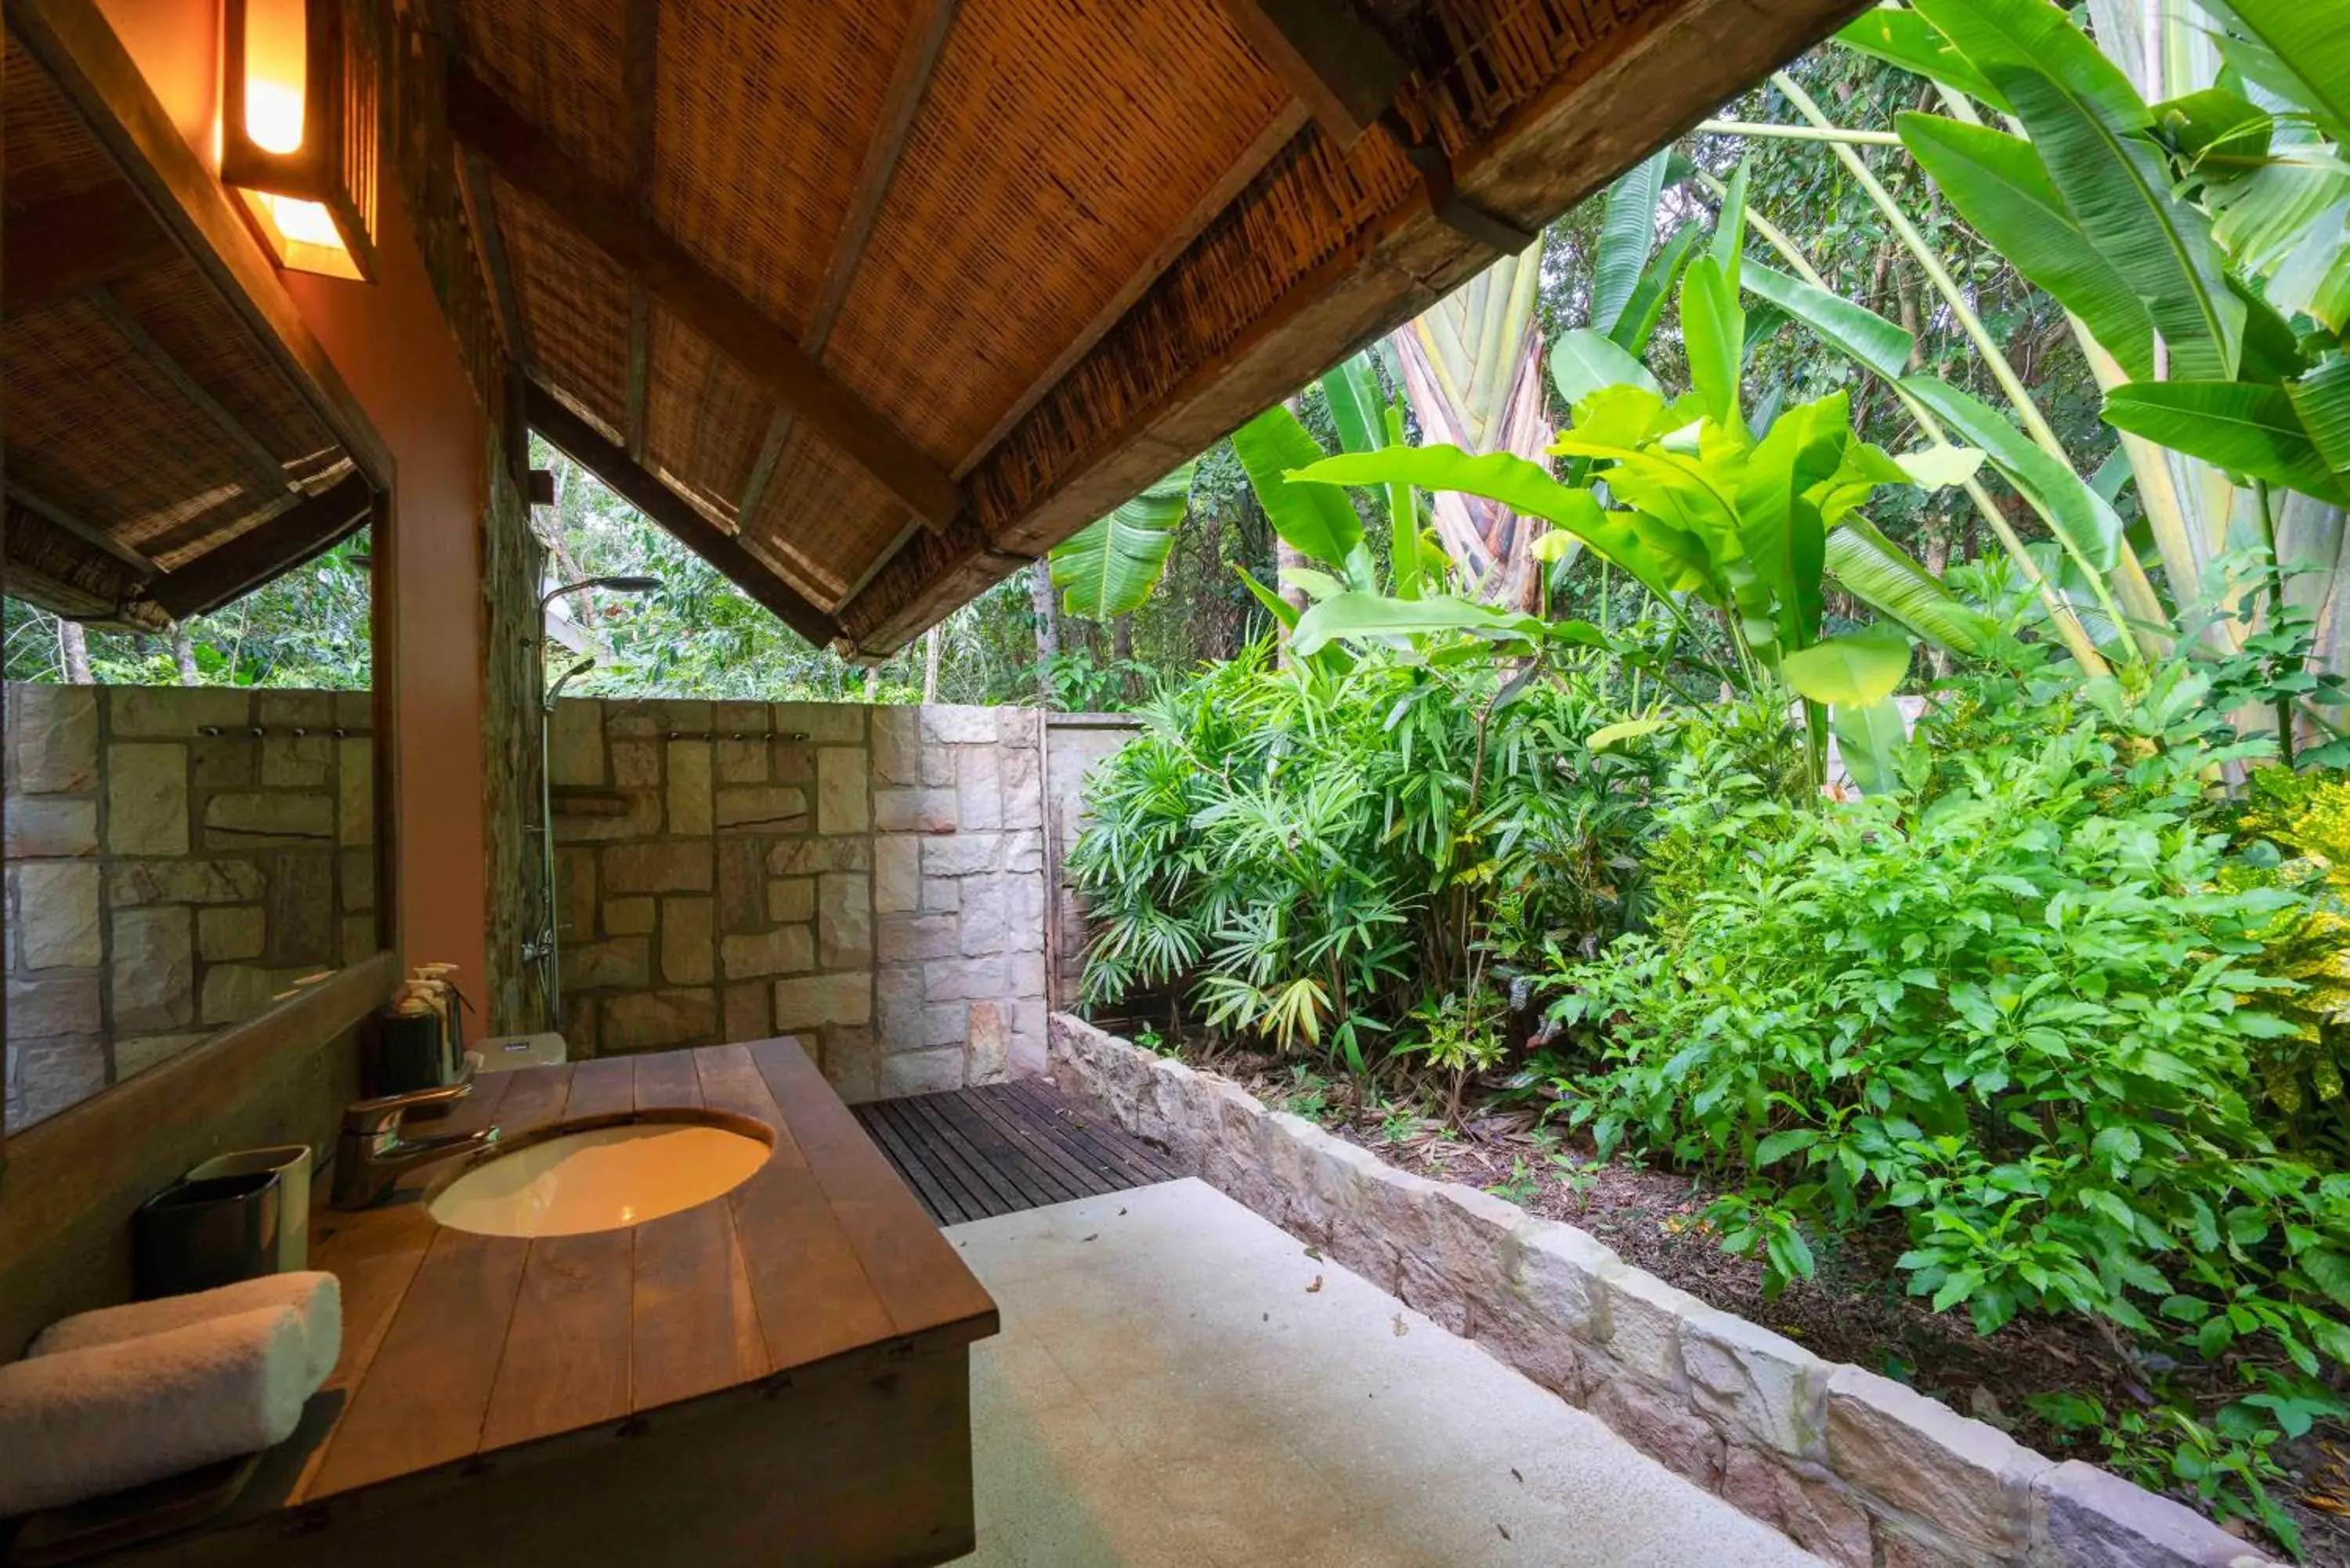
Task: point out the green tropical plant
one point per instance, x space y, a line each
1109 567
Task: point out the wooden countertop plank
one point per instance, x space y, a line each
478 1108
917 1274
813 1296
376 1253
535 1098
604 1086
694 1321
566 1364
667 1079
422 1399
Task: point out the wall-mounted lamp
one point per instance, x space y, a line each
301 131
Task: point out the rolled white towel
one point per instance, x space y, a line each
315 1296
82 1423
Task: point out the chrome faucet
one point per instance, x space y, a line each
371 1154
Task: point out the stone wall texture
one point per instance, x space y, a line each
1855 1467
868 879
176 857
511 561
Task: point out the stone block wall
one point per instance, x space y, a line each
176 857
1859 1469
868 879
1075 744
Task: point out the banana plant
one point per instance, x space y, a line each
2175 184
1109 567
1686 500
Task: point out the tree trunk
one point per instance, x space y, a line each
1121 649
1043 601
933 641
73 648
1285 560
183 653
1934 536
873 683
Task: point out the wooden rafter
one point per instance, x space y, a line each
267 472
1329 55
909 79
79 242
672 512
77 50
525 156
267 550
1198 354
72 521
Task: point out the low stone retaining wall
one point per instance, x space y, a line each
1856 1467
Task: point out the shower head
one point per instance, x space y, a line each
626 583
564 679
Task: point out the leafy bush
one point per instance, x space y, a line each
2013 1010
1310 852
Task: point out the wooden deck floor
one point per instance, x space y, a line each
970 1154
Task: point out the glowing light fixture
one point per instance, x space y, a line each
301 127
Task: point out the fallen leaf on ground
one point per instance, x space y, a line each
1316 1286
1401 1327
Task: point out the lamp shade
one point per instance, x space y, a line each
301 127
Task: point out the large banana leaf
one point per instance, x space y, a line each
2237 427
1859 668
1637 323
1867 336
1582 361
1514 482
1999 184
2089 530
1713 331
2086 123
1356 407
1109 567
2322 398
1315 520
1359 615
1904 38
1627 231
2309 40
1870 741
1880 575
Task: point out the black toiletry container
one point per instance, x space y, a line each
198 1235
411 1054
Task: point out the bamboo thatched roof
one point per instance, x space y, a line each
873 301
158 463
899 293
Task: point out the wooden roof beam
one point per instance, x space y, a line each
80 241
271 549
1329 55
665 506
530 162
909 79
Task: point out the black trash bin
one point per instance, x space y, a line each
198 1235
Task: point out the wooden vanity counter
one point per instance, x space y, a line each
779 1375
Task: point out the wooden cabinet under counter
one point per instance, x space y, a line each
778 1376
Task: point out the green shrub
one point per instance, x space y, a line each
1311 853
2011 1009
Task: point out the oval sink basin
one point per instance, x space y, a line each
604 1179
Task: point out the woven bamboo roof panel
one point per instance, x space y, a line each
148 428
705 419
577 303
761 212
1035 184
51 153
990 266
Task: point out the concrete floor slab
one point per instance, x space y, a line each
1172 1386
